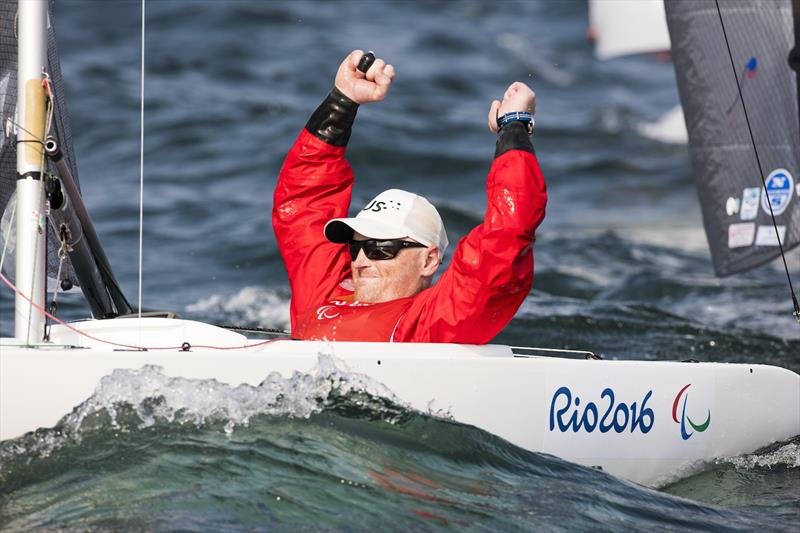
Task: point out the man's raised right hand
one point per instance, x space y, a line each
364 88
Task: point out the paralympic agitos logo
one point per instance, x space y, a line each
684 418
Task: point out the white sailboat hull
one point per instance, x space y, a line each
630 418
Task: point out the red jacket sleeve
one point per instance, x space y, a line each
491 271
314 186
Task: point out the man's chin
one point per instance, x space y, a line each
368 290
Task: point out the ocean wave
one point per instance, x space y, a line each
765 482
640 276
131 400
786 456
323 450
256 306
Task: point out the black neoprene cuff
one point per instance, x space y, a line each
332 121
513 136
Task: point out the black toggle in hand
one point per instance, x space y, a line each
366 61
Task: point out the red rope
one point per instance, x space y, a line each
130 346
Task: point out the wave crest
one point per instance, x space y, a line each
786 455
134 399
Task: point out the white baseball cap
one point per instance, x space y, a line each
393 214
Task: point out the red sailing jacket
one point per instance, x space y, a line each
489 276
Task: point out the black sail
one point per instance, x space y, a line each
86 265
760 35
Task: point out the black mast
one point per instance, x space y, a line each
97 282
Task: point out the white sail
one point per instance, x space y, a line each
623 27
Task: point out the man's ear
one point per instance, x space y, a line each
433 259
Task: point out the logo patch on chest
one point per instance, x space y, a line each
333 309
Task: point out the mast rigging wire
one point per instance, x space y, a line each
758 162
141 167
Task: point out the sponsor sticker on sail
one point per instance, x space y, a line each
732 206
750 198
740 235
766 235
780 185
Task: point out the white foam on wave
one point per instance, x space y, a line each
787 456
155 397
253 305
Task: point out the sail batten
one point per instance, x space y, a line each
722 106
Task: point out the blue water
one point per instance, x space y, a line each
622 267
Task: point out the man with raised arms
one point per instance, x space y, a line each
369 278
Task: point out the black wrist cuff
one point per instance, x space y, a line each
513 136
332 121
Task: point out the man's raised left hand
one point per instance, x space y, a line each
360 87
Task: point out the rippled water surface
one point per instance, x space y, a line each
622 269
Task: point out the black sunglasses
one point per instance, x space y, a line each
381 250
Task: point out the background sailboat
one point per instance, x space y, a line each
626 27
759 34
741 100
